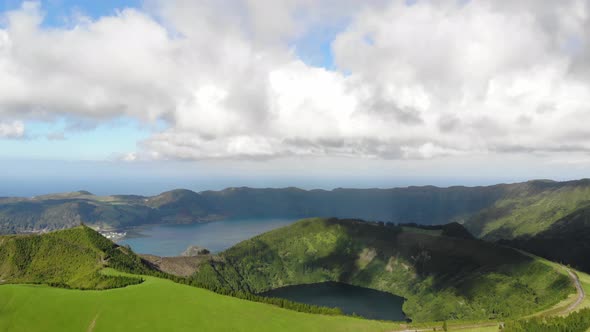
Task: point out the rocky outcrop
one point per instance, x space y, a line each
195 251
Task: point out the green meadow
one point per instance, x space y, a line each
156 305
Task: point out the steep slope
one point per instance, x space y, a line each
180 205
424 205
442 277
529 208
59 211
70 258
565 241
51 213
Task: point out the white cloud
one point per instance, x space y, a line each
482 65
423 81
14 129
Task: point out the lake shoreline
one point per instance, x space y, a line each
351 299
169 240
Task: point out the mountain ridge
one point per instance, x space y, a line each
428 205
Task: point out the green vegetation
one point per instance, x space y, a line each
180 206
75 257
282 303
59 211
565 241
442 277
574 322
424 205
157 305
451 230
70 259
529 208
47 213
441 273
549 219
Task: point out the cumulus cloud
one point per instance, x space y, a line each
14 129
430 79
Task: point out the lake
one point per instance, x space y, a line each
365 302
172 240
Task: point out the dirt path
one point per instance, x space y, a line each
92 324
451 328
579 289
573 306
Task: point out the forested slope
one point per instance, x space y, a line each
69 258
441 276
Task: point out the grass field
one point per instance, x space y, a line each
156 305
161 305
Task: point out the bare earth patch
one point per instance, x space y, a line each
92 324
182 266
579 290
365 257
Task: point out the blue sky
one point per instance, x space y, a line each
47 140
127 96
58 12
103 141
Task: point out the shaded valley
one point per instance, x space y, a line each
441 276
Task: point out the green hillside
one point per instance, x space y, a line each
565 241
427 205
42 278
180 206
442 277
440 270
549 219
70 258
156 305
529 208
51 213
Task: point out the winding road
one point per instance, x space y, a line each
580 291
581 295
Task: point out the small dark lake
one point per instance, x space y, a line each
365 302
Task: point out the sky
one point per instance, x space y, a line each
143 96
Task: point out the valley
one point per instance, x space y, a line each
294 166
158 303
537 216
461 269
442 277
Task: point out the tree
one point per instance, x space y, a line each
445 327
